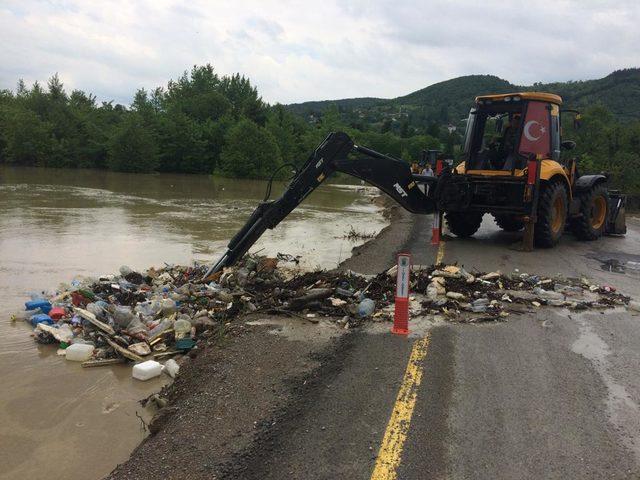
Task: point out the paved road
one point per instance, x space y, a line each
548 395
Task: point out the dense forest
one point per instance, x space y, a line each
206 123
200 123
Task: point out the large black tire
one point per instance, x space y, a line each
552 214
463 224
594 211
509 223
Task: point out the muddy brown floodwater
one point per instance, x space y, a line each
58 420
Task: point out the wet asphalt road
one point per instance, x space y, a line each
550 394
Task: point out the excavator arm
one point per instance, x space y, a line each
337 153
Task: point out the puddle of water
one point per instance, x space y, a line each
623 412
618 262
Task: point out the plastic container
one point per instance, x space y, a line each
57 313
79 352
43 305
146 370
366 307
41 318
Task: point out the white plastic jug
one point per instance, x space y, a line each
79 352
146 370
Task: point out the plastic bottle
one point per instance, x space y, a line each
79 352
366 307
161 327
95 309
42 304
168 307
125 270
41 318
122 315
21 315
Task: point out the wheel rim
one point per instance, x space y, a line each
598 212
557 214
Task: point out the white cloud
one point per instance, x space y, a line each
297 51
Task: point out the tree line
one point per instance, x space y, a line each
206 123
199 123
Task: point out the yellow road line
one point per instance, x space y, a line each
440 254
395 435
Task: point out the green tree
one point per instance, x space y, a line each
249 151
27 139
132 148
182 146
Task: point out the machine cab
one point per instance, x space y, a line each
503 131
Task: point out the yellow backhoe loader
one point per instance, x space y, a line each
511 168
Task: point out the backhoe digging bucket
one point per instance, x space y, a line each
616 223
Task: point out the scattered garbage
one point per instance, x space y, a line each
144 317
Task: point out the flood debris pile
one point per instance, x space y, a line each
131 317
480 296
155 315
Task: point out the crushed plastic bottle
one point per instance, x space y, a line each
165 324
125 270
548 294
366 307
121 315
96 309
480 305
182 326
168 307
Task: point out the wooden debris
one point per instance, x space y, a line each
87 315
102 363
311 296
123 351
165 354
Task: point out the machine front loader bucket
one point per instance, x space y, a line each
616 223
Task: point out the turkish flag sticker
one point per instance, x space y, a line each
535 133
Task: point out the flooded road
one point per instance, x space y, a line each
59 420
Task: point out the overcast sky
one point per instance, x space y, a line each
297 51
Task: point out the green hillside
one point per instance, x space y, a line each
449 101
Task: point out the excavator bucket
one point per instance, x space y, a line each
616 223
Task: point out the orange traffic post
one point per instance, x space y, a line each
436 228
401 310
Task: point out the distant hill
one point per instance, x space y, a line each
449 101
